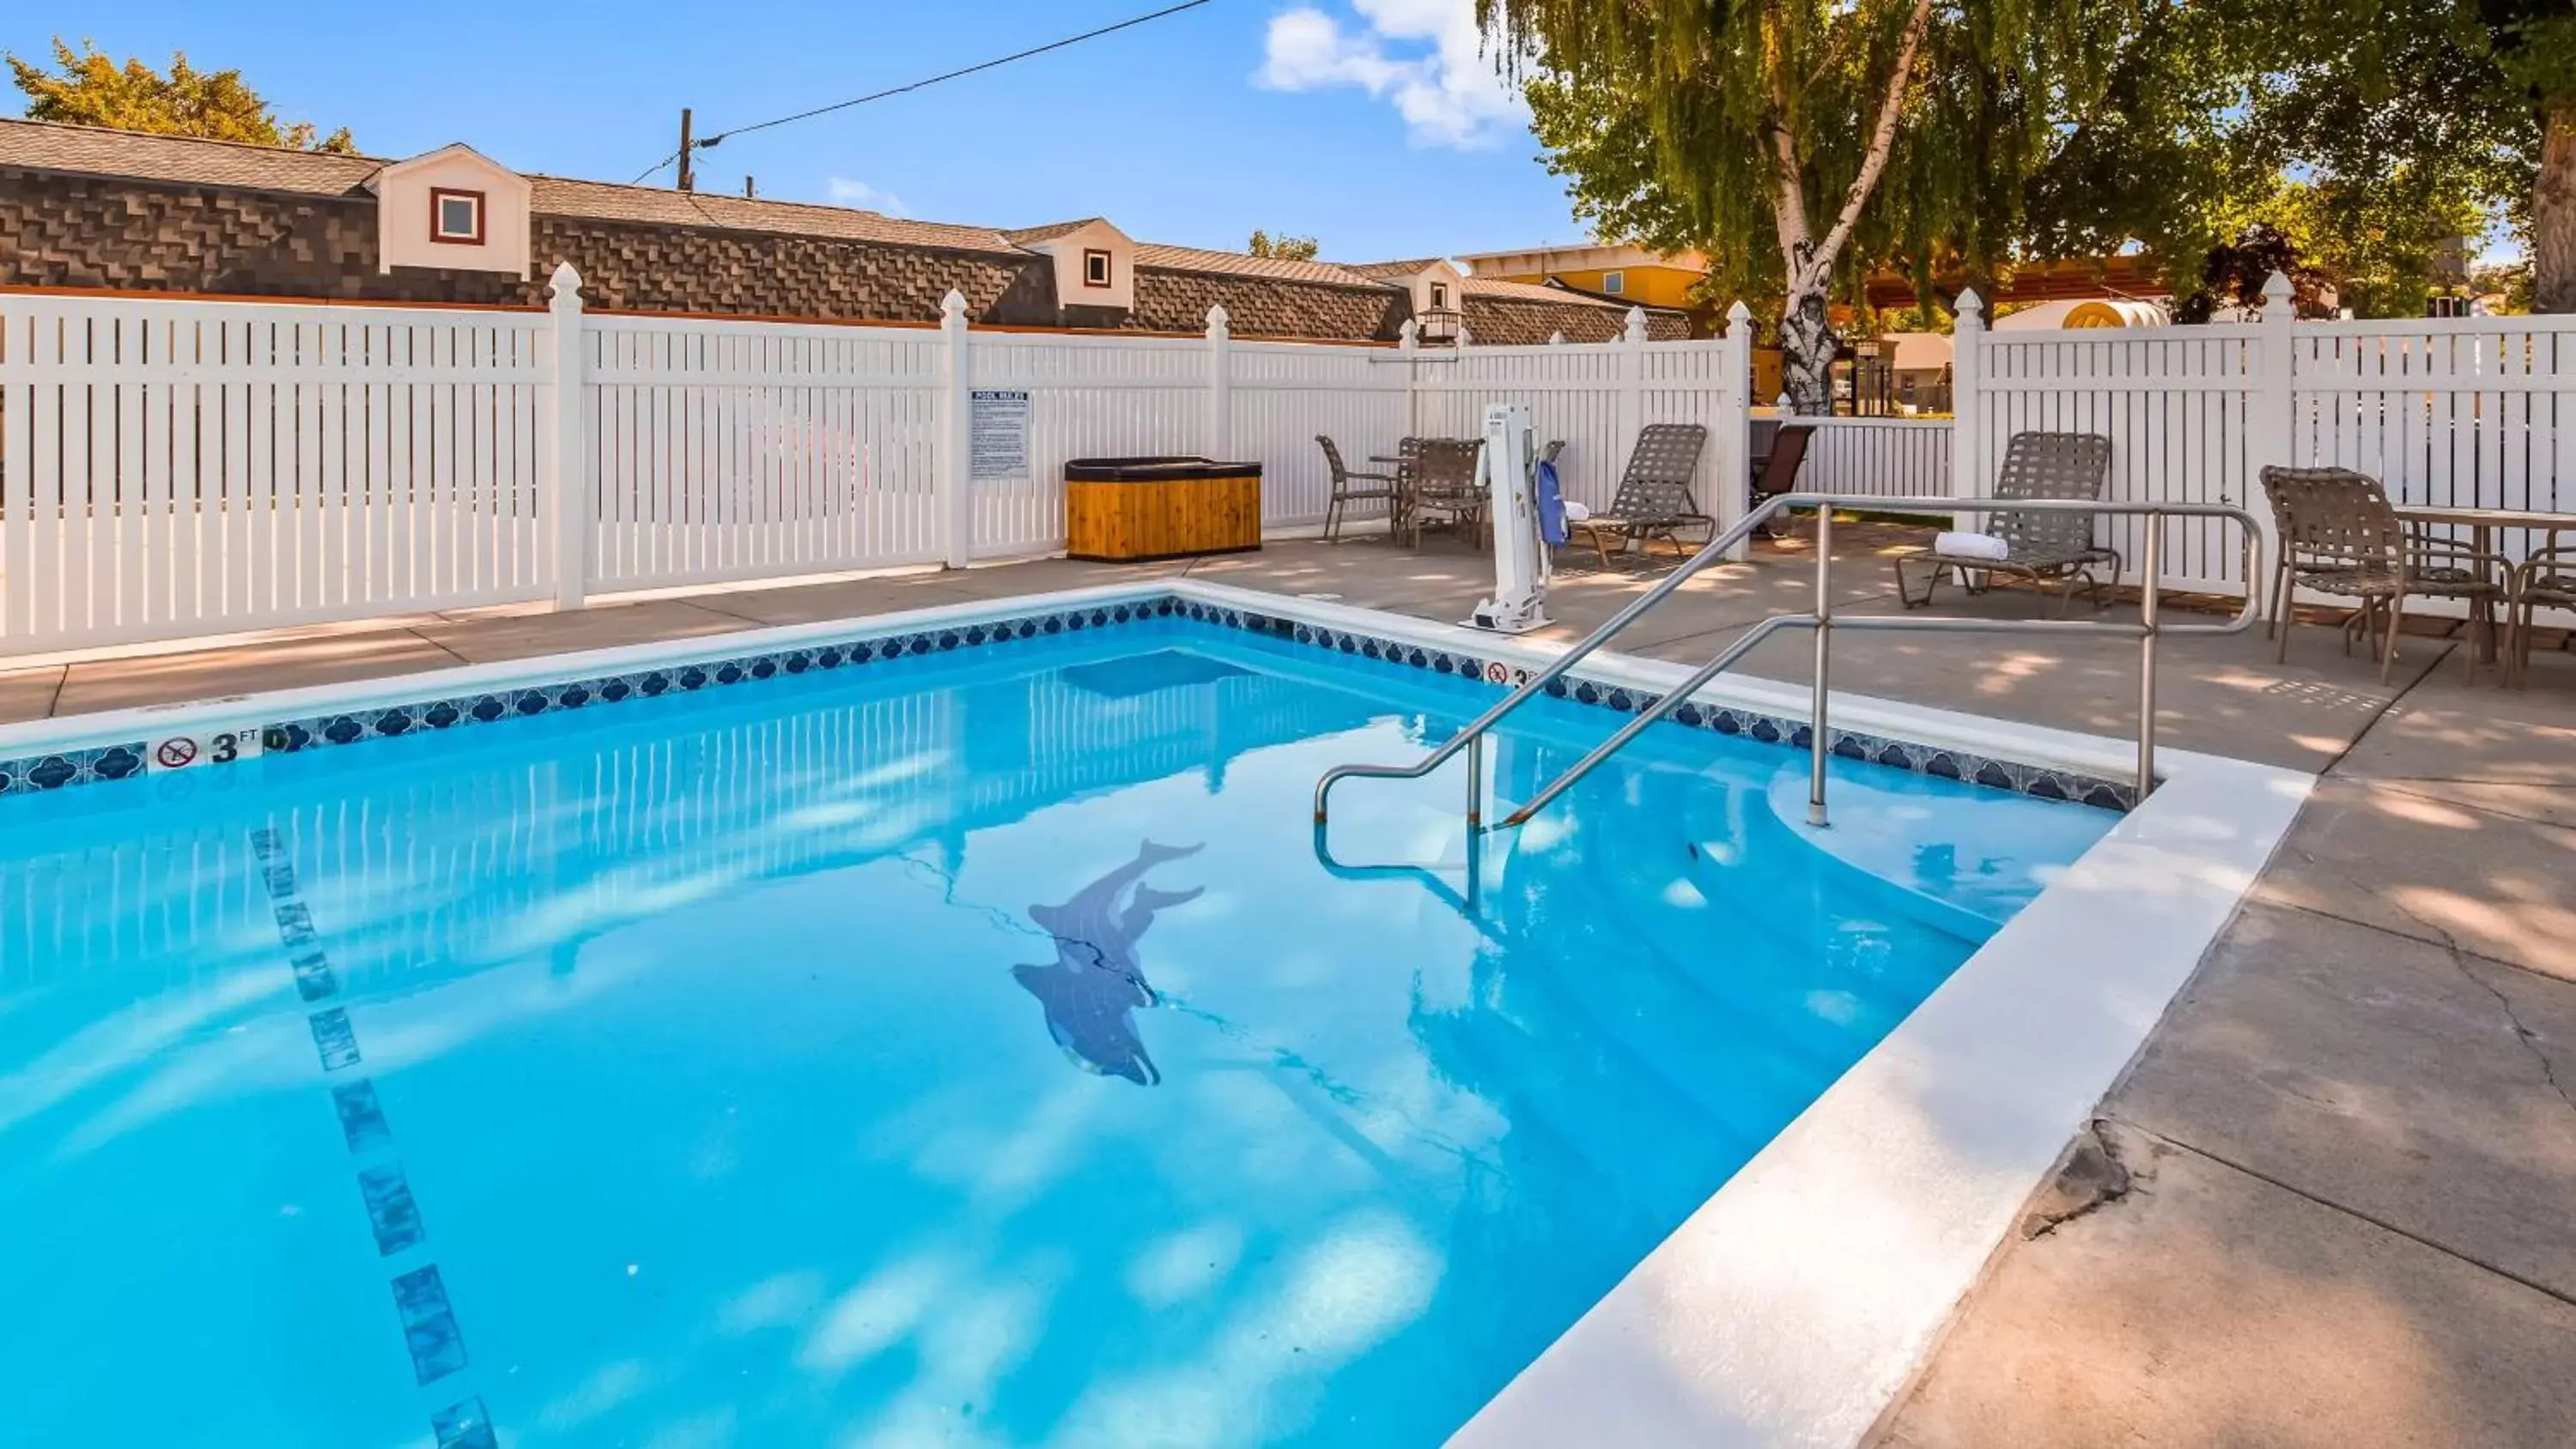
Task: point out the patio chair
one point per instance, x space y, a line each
1780 467
1443 482
1347 490
2546 576
2051 547
1654 498
2341 536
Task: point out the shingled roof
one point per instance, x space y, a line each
1175 286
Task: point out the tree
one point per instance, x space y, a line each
2535 47
1285 248
1838 128
93 91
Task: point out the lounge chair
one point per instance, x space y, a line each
1780 466
1654 497
2043 547
1346 489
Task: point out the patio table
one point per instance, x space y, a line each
2483 525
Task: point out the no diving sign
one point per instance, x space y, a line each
220 747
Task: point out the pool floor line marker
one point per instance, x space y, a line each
431 1335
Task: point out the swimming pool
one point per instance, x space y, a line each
967 1047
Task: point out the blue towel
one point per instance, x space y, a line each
1551 506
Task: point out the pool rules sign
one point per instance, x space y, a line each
999 437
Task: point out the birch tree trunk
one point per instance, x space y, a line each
2553 215
1807 342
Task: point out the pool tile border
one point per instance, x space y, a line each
41 773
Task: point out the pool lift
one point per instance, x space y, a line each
1507 473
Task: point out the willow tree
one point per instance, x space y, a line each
1808 130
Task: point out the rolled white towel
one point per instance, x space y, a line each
1576 512
1972 545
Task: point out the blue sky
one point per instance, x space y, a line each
1374 125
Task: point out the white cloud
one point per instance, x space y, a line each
845 192
1426 57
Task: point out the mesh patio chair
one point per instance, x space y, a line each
2341 536
1780 467
1443 483
2546 577
1654 498
2051 547
1348 488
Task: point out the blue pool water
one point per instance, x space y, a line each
968 1050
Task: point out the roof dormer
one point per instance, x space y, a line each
453 208
1095 263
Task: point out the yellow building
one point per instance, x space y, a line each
1618 273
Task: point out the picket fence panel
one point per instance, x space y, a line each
176 468
170 469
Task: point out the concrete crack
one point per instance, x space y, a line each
2531 1040
2091 1176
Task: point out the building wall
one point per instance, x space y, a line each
1648 286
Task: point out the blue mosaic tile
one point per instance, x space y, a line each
391 1213
429 1325
334 1039
314 978
464 1425
362 1120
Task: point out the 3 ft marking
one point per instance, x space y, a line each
180 752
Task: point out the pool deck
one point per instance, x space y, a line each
2329 1202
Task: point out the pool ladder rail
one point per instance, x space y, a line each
2148 629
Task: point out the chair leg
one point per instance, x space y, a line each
2283 656
2388 655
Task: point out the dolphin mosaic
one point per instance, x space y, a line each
1093 987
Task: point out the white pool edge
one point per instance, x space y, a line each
1796 1302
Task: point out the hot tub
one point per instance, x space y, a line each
1129 510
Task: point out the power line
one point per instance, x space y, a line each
1127 24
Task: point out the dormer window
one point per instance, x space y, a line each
1614 283
1440 296
1095 268
456 217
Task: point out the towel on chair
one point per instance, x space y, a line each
1972 545
1576 512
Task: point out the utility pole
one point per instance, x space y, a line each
688 173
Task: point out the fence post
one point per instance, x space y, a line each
1409 343
1632 380
1220 389
1967 374
2272 429
570 509
953 454
1735 423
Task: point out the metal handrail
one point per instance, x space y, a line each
2148 630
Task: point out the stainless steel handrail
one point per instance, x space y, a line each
2147 630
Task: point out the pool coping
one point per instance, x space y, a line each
1792 1306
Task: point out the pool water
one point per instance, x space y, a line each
963 1050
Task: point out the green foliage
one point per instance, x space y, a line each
1285 248
2368 132
92 90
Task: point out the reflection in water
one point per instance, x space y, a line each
1093 987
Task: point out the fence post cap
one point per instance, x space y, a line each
1409 335
2276 288
1636 331
1217 321
564 285
952 308
1969 304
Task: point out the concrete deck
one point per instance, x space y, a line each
2329 1203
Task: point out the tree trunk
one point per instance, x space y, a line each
2553 215
1807 343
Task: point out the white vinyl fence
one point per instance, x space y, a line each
176 468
